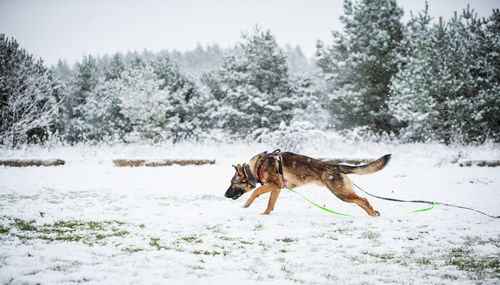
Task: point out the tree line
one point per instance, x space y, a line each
418 81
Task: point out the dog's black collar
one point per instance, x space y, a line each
249 175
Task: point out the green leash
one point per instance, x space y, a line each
423 210
336 213
311 202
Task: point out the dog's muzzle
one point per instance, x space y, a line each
234 193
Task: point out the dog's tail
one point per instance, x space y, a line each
364 169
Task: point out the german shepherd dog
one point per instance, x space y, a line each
275 170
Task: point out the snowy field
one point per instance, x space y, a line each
91 222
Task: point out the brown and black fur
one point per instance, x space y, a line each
299 170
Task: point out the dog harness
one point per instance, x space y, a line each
274 155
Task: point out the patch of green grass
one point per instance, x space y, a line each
88 232
470 241
206 252
449 276
132 250
258 227
24 225
3 230
423 260
370 235
192 239
340 230
215 229
155 242
263 245
464 260
226 238
479 241
385 257
119 233
286 239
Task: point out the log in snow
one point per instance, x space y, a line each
160 162
488 163
32 162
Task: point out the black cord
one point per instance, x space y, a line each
425 202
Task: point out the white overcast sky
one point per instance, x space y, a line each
70 29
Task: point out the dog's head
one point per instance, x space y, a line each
240 183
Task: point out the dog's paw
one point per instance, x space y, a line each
376 213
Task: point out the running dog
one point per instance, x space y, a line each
279 169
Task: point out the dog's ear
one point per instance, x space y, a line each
238 168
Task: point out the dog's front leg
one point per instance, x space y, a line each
272 201
257 192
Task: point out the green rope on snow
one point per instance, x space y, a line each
311 202
336 213
422 210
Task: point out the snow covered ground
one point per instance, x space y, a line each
88 221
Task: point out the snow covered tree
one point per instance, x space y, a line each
198 61
151 101
103 115
27 95
132 97
487 72
309 103
115 68
442 91
413 105
298 64
361 62
72 115
157 111
62 71
143 103
253 89
188 106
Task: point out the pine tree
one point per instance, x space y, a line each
62 71
187 117
84 81
253 88
158 103
115 67
361 62
27 95
143 103
103 114
198 61
442 91
488 70
411 103
298 64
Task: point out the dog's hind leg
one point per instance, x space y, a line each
341 186
362 202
